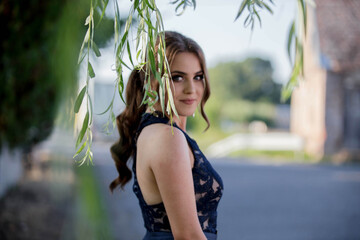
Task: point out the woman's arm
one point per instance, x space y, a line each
171 165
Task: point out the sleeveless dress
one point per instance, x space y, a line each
207 184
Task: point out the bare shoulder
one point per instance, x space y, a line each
161 141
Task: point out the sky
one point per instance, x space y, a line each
222 39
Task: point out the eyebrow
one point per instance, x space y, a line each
183 73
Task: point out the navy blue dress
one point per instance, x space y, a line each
207 184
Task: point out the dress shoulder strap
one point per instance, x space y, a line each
148 119
158 117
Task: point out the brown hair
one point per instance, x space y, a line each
129 120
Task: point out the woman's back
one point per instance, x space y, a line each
167 175
154 143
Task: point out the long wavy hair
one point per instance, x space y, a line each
129 120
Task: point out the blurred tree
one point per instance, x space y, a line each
39 48
251 79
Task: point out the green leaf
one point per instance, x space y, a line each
151 94
80 149
158 77
136 4
79 99
259 4
256 13
301 58
183 5
160 19
194 3
121 87
303 11
249 5
139 11
149 5
91 109
152 61
113 118
129 52
95 49
82 161
91 158
140 31
123 39
160 58
129 21
123 63
149 24
241 9
144 100
90 137
171 101
290 38
268 8
107 109
87 21
83 129
285 94
104 3
91 70
162 99
137 55
87 36
117 22
247 20
291 84
82 54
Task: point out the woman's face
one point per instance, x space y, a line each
188 78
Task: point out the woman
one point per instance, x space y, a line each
177 188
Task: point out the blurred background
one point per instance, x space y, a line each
291 169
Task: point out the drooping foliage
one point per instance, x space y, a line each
39 47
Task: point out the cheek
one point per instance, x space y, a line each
176 90
200 88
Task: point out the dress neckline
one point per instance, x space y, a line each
161 115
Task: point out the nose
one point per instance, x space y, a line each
189 87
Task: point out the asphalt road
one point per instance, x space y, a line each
260 201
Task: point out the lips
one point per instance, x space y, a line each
188 101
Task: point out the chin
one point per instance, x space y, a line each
186 113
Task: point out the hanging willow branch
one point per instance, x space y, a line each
150 27
148 31
84 93
296 36
253 6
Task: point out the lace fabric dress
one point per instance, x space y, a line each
208 188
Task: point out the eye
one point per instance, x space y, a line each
199 77
177 78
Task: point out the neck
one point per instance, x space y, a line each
181 122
